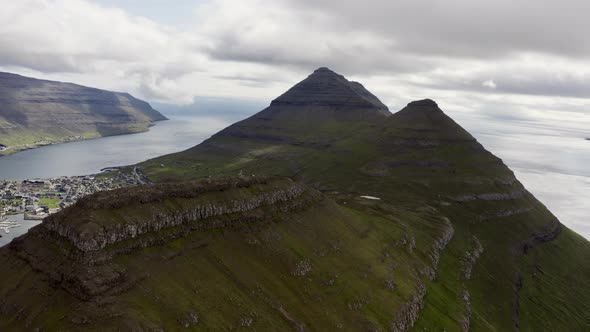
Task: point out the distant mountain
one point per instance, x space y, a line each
329 89
38 112
323 212
325 105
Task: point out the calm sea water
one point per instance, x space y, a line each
17 231
551 160
88 157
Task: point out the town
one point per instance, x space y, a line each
38 198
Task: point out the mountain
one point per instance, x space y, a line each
326 88
38 112
323 212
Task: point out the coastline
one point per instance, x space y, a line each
9 150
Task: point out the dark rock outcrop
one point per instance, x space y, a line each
407 316
102 226
470 258
184 204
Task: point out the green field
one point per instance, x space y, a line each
51 203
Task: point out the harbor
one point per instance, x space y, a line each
13 232
6 224
24 204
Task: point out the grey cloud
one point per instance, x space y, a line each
240 47
348 60
467 28
454 28
44 62
414 38
514 81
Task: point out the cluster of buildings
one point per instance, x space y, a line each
38 198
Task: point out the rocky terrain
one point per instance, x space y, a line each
38 112
89 240
192 203
323 212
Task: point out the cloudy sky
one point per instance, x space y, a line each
503 58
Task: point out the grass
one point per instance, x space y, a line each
51 203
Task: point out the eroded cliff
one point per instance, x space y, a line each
99 227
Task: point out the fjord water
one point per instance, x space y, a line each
89 157
551 160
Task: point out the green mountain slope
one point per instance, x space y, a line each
393 222
38 112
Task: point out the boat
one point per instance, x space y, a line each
7 224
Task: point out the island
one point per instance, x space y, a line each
39 112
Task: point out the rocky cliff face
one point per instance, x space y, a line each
91 233
192 205
37 112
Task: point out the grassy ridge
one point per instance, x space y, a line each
420 160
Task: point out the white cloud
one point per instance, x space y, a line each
456 51
489 84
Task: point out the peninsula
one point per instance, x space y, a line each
37 112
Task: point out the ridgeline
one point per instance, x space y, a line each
39 112
323 212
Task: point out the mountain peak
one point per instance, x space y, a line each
324 70
423 103
325 87
423 106
426 117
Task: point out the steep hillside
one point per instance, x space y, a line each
500 271
38 112
355 220
245 253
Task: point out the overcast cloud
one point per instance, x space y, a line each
502 58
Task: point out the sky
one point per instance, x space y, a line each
504 58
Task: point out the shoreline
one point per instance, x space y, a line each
10 150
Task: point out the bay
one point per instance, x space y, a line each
90 156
